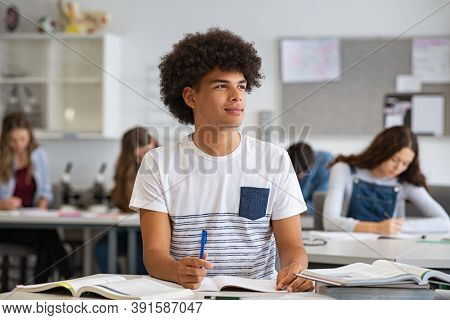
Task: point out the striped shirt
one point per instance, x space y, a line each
233 197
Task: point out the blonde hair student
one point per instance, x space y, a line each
367 191
25 182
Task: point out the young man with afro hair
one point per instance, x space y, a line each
243 191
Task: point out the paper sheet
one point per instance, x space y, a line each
428 114
431 60
407 83
392 120
310 60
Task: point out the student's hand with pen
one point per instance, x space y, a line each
390 226
192 270
287 280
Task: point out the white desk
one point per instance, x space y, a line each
411 251
40 219
198 296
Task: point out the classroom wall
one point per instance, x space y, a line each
148 29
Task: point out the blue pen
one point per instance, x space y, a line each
202 248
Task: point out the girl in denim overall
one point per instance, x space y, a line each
374 185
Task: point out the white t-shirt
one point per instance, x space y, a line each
233 197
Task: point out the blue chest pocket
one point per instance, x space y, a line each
253 202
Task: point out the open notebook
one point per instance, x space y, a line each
380 272
115 287
220 283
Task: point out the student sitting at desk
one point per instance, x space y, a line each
25 182
242 191
367 191
136 142
312 170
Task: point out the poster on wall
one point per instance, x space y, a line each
310 60
431 60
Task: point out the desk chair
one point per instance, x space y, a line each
8 251
442 195
318 201
439 193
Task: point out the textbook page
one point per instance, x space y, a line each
208 284
258 285
362 273
220 282
72 285
422 273
401 268
90 281
141 288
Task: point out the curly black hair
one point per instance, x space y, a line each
196 55
302 156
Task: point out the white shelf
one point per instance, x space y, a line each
75 100
44 80
77 80
60 135
54 36
24 80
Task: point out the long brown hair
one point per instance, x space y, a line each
15 120
127 166
383 147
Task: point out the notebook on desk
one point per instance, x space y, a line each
146 288
115 287
381 272
222 283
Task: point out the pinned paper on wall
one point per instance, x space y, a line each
431 60
392 120
310 60
407 83
397 110
427 114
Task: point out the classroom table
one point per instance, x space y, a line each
86 221
198 296
348 248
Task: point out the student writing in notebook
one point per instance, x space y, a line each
243 191
25 182
367 191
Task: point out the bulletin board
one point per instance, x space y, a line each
353 104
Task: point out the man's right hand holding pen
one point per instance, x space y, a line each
192 270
